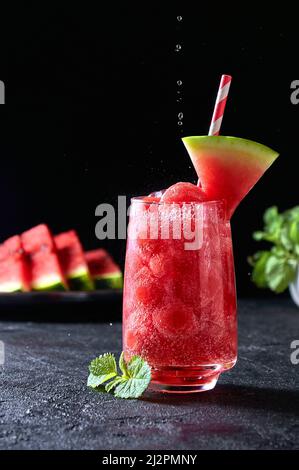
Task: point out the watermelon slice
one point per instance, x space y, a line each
46 274
72 260
13 269
38 239
42 259
104 271
228 167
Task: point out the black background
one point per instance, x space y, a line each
91 108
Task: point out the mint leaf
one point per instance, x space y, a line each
270 215
102 369
113 383
294 232
273 221
279 252
292 214
93 381
135 378
123 364
280 273
139 376
104 364
259 236
276 268
258 274
285 238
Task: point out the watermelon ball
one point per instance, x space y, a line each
175 319
150 199
184 192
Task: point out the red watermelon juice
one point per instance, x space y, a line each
179 310
180 304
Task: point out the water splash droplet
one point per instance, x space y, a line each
179 83
180 116
180 123
179 18
178 47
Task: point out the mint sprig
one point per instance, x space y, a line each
101 369
135 378
276 267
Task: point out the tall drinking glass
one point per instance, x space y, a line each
179 309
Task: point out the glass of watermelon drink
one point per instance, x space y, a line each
179 310
179 303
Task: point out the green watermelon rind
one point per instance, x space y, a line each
79 279
14 287
257 151
59 286
48 283
80 282
109 281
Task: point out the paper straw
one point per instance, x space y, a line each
220 105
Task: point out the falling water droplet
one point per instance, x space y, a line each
179 18
180 123
180 116
178 47
179 83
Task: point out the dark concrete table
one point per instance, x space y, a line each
44 402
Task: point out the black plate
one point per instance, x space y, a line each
100 306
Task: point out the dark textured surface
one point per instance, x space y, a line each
44 402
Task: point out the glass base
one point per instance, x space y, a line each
187 379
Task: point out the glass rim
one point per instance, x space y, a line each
140 200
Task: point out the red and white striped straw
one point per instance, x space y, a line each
220 105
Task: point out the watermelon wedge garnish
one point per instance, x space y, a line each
46 274
42 260
228 167
103 269
13 269
72 260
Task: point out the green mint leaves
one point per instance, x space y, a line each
276 268
135 378
101 370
